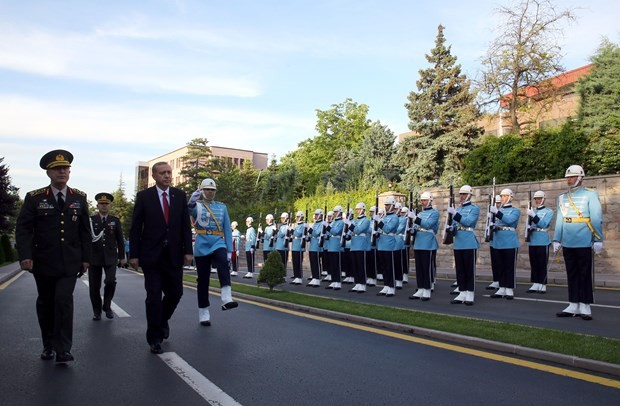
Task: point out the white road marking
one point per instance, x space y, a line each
558 301
115 308
204 387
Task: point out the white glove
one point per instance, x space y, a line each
489 215
325 224
412 215
597 247
493 209
228 256
376 217
194 197
347 222
451 210
531 213
252 250
556 246
237 254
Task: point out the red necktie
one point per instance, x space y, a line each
166 206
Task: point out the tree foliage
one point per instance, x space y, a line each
8 199
442 115
599 115
122 208
197 164
523 55
7 250
273 272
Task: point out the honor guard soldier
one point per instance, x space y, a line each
404 252
426 224
578 231
250 246
400 245
506 244
213 246
492 253
371 254
315 249
54 244
539 242
360 245
236 239
268 236
334 249
465 245
347 263
297 251
329 218
282 238
386 247
108 251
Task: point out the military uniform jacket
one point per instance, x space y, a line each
212 226
506 222
236 238
57 241
464 225
250 238
109 249
281 236
360 234
571 224
268 236
539 235
426 226
389 227
335 232
315 236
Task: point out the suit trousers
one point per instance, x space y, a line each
204 264
55 310
161 278
94 285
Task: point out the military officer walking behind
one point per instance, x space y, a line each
108 251
506 244
578 231
161 243
54 244
465 245
539 243
213 246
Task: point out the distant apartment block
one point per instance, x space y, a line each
232 156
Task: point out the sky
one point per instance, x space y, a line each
121 81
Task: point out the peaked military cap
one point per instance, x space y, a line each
55 159
104 198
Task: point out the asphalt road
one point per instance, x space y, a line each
259 355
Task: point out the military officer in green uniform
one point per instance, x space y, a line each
108 251
54 244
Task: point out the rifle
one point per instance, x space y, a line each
305 237
323 229
289 230
410 236
448 233
345 231
528 229
259 236
275 211
488 230
373 239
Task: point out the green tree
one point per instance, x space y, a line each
7 249
197 164
8 199
523 55
273 272
599 116
122 208
442 115
377 155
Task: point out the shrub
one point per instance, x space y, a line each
5 242
273 272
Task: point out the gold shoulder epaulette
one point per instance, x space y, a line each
37 191
78 192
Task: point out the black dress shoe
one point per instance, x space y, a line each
337 288
454 301
389 295
97 317
531 291
468 303
509 297
166 331
156 349
414 298
453 293
490 288
206 323
47 354
109 314
380 294
329 287
566 314
229 305
496 296
64 357
425 299
586 317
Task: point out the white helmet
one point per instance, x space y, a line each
381 212
574 170
390 201
498 199
330 214
284 215
426 196
360 206
208 184
466 189
398 205
506 192
300 214
404 210
234 224
269 217
319 212
373 209
249 220
338 208
539 193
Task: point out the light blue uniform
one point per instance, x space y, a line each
426 226
335 231
360 234
389 228
402 225
268 234
280 238
464 236
212 227
568 229
506 228
539 235
250 238
298 235
315 236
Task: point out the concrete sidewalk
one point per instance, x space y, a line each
8 271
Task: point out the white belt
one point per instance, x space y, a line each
460 228
505 228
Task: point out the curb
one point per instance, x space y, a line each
7 276
479 343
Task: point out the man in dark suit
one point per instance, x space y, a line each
108 251
161 243
54 244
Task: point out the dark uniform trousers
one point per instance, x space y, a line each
359 266
315 264
386 266
55 310
204 264
95 273
579 268
298 259
249 259
539 257
334 258
465 264
424 268
371 263
506 265
494 264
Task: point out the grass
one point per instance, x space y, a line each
562 342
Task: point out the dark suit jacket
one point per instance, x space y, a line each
149 232
57 241
110 248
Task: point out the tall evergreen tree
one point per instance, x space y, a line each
599 116
442 115
377 152
122 208
8 199
196 164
